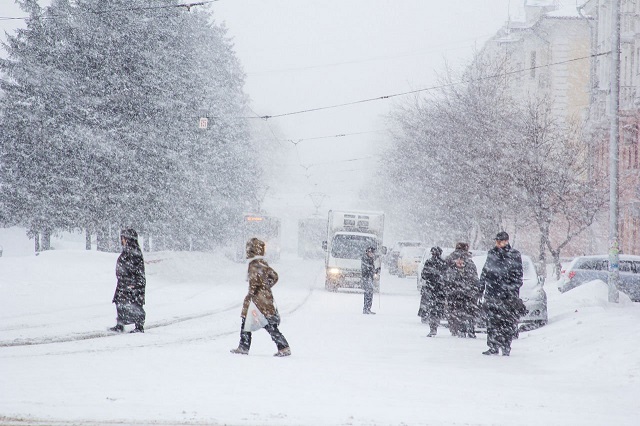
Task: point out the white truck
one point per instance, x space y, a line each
349 233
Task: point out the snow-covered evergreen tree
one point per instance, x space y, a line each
100 123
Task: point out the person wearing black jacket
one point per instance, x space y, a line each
369 270
130 290
432 296
462 293
501 280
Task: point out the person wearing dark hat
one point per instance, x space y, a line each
501 280
130 289
262 278
369 270
432 296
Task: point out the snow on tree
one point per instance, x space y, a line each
101 102
473 159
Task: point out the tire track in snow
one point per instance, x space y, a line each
166 323
98 334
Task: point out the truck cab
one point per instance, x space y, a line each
349 234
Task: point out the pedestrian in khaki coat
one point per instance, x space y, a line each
261 279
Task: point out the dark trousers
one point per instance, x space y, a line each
367 286
502 326
432 307
272 329
131 313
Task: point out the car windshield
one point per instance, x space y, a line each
351 246
629 266
592 264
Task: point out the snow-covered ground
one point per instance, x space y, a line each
59 366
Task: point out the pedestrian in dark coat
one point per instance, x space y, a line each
432 300
130 289
462 291
501 280
262 278
369 270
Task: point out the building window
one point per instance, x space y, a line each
532 64
625 72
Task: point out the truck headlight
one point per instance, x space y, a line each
333 271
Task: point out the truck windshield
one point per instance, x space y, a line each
351 246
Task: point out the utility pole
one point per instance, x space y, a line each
614 138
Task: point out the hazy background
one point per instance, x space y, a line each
300 55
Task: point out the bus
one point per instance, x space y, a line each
263 227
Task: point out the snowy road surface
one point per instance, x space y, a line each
58 365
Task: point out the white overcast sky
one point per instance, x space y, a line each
301 54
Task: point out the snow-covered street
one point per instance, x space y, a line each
149 147
60 366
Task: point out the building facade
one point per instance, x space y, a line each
629 110
548 50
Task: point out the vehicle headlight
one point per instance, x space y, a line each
333 271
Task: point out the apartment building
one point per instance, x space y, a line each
600 111
548 50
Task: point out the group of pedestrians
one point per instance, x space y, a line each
452 291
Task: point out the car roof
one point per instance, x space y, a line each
416 249
627 257
398 244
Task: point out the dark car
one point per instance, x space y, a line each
589 268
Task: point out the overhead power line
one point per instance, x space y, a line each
187 6
378 58
442 86
340 135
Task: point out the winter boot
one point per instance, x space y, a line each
118 328
506 351
138 329
283 352
241 351
432 332
491 351
368 312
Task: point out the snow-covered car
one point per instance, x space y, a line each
391 259
532 291
408 260
588 268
